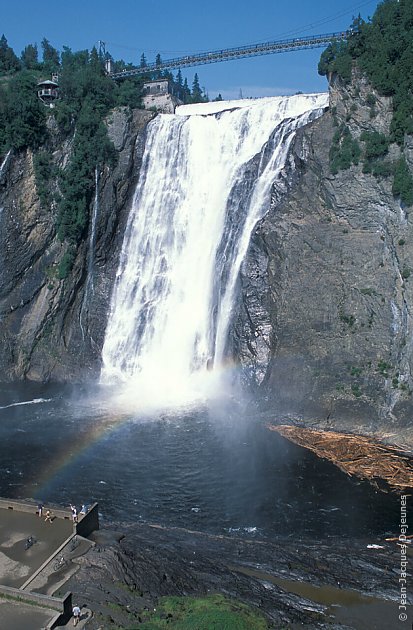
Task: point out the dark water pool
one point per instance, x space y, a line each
213 468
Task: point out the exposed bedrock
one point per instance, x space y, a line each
325 324
53 329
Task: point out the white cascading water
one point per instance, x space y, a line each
199 196
4 162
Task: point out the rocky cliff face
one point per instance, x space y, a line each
325 323
53 329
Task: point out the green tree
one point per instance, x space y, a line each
186 92
129 92
344 150
87 96
403 182
376 144
51 60
196 93
29 57
9 63
158 62
23 114
383 49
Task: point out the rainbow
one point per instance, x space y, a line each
125 406
66 457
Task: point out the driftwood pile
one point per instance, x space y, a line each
354 454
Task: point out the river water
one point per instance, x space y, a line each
214 468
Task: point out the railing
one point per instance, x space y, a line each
266 48
48 92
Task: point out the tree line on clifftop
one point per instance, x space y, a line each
382 49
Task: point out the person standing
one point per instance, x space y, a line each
40 509
76 615
74 513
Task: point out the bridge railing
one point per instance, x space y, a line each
215 56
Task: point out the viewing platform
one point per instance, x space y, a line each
36 561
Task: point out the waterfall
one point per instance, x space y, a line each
90 253
205 181
4 162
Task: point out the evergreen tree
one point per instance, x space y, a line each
158 62
9 63
383 49
196 93
29 57
186 92
23 115
143 62
51 61
129 92
403 182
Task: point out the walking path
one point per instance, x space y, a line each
32 568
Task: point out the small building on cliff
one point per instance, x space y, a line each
161 94
48 91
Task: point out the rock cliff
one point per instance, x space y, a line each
325 322
53 329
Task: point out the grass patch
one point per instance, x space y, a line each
214 612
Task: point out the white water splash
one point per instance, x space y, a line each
5 161
35 401
199 196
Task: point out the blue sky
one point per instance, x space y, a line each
180 27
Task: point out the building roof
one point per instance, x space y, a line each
48 83
157 80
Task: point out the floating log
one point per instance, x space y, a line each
396 539
355 455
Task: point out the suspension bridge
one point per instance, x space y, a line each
229 54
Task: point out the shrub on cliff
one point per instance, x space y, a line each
403 183
344 151
22 116
383 49
91 149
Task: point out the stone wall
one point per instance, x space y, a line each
162 103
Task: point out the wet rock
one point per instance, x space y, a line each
127 578
324 326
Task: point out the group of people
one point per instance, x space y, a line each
49 517
75 513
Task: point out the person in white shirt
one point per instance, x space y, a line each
76 615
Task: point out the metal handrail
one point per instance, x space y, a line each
215 56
